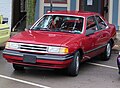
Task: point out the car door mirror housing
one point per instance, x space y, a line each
90 32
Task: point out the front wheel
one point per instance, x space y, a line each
73 69
18 67
2 47
107 53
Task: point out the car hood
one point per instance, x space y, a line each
43 37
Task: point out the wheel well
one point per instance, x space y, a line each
112 42
81 53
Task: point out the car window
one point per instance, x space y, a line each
91 23
101 23
61 23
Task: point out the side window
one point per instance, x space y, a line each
91 23
101 23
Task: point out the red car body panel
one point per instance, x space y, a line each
90 46
43 37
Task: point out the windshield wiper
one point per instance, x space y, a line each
41 29
62 30
57 29
45 29
70 31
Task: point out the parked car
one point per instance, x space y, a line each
118 62
4 32
61 40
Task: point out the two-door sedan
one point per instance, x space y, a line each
61 40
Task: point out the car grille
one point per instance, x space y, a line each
33 48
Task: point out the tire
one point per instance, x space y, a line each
118 64
107 53
2 48
18 67
73 69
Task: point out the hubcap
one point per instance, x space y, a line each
108 49
77 63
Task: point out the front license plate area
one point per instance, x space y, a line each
29 59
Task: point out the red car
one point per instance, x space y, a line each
61 40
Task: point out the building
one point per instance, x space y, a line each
6 9
110 9
15 11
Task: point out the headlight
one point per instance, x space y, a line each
12 45
57 50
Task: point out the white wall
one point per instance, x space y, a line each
6 9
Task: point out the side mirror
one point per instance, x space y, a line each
90 32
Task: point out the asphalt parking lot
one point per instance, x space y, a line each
93 74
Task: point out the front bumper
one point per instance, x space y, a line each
42 60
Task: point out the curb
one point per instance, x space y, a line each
115 51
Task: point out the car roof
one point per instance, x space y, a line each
74 13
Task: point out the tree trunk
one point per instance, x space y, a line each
30 4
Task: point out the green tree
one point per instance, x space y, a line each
30 8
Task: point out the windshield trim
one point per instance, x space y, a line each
37 22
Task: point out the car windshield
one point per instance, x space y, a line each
60 23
